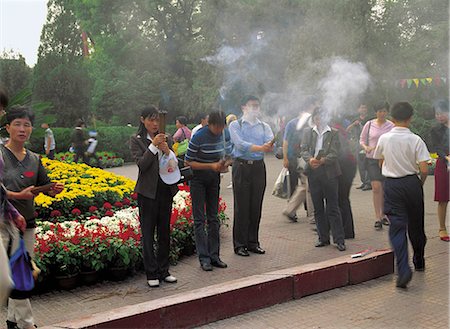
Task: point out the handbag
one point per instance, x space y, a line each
282 187
182 147
186 174
21 269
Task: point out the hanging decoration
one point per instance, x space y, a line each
421 82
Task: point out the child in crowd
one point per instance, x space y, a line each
399 151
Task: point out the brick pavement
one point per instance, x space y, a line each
287 244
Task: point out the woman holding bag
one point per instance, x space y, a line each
23 172
155 187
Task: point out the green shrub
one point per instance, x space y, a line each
110 139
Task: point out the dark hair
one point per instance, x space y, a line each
217 118
79 123
380 106
402 111
182 119
441 105
202 116
150 112
318 111
19 112
4 101
248 98
310 100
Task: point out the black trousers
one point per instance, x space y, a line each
362 168
324 194
249 185
155 216
293 174
348 169
403 204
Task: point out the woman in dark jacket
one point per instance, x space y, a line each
155 188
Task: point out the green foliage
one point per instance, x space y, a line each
15 75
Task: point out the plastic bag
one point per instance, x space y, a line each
282 187
21 269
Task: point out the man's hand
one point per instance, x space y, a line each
267 147
314 163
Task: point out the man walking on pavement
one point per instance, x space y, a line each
291 152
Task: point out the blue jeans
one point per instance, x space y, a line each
205 203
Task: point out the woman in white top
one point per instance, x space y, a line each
370 134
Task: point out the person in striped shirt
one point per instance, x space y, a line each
206 155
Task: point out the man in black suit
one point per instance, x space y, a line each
320 147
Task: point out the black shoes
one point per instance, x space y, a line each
293 218
385 221
257 250
206 267
321 244
361 186
402 281
218 263
241 251
366 188
341 247
378 225
11 325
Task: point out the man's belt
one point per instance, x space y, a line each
249 162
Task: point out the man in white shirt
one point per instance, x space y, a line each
404 155
203 122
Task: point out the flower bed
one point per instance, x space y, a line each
94 223
107 159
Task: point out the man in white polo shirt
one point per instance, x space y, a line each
404 155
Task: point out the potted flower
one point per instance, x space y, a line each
67 264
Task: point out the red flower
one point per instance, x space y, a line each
118 204
109 213
107 206
55 213
63 158
76 212
28 174
92 208
134 196
126 201
93 217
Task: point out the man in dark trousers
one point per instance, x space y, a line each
400 151
79 139
251 138
206 155
320 147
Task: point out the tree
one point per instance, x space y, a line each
61 75
15 74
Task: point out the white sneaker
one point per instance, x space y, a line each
170 279
230 186
153 283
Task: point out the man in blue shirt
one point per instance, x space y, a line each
251 138
206 155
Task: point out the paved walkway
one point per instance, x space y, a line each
374 304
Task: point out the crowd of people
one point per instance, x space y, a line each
321 152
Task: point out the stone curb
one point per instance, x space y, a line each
236 297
